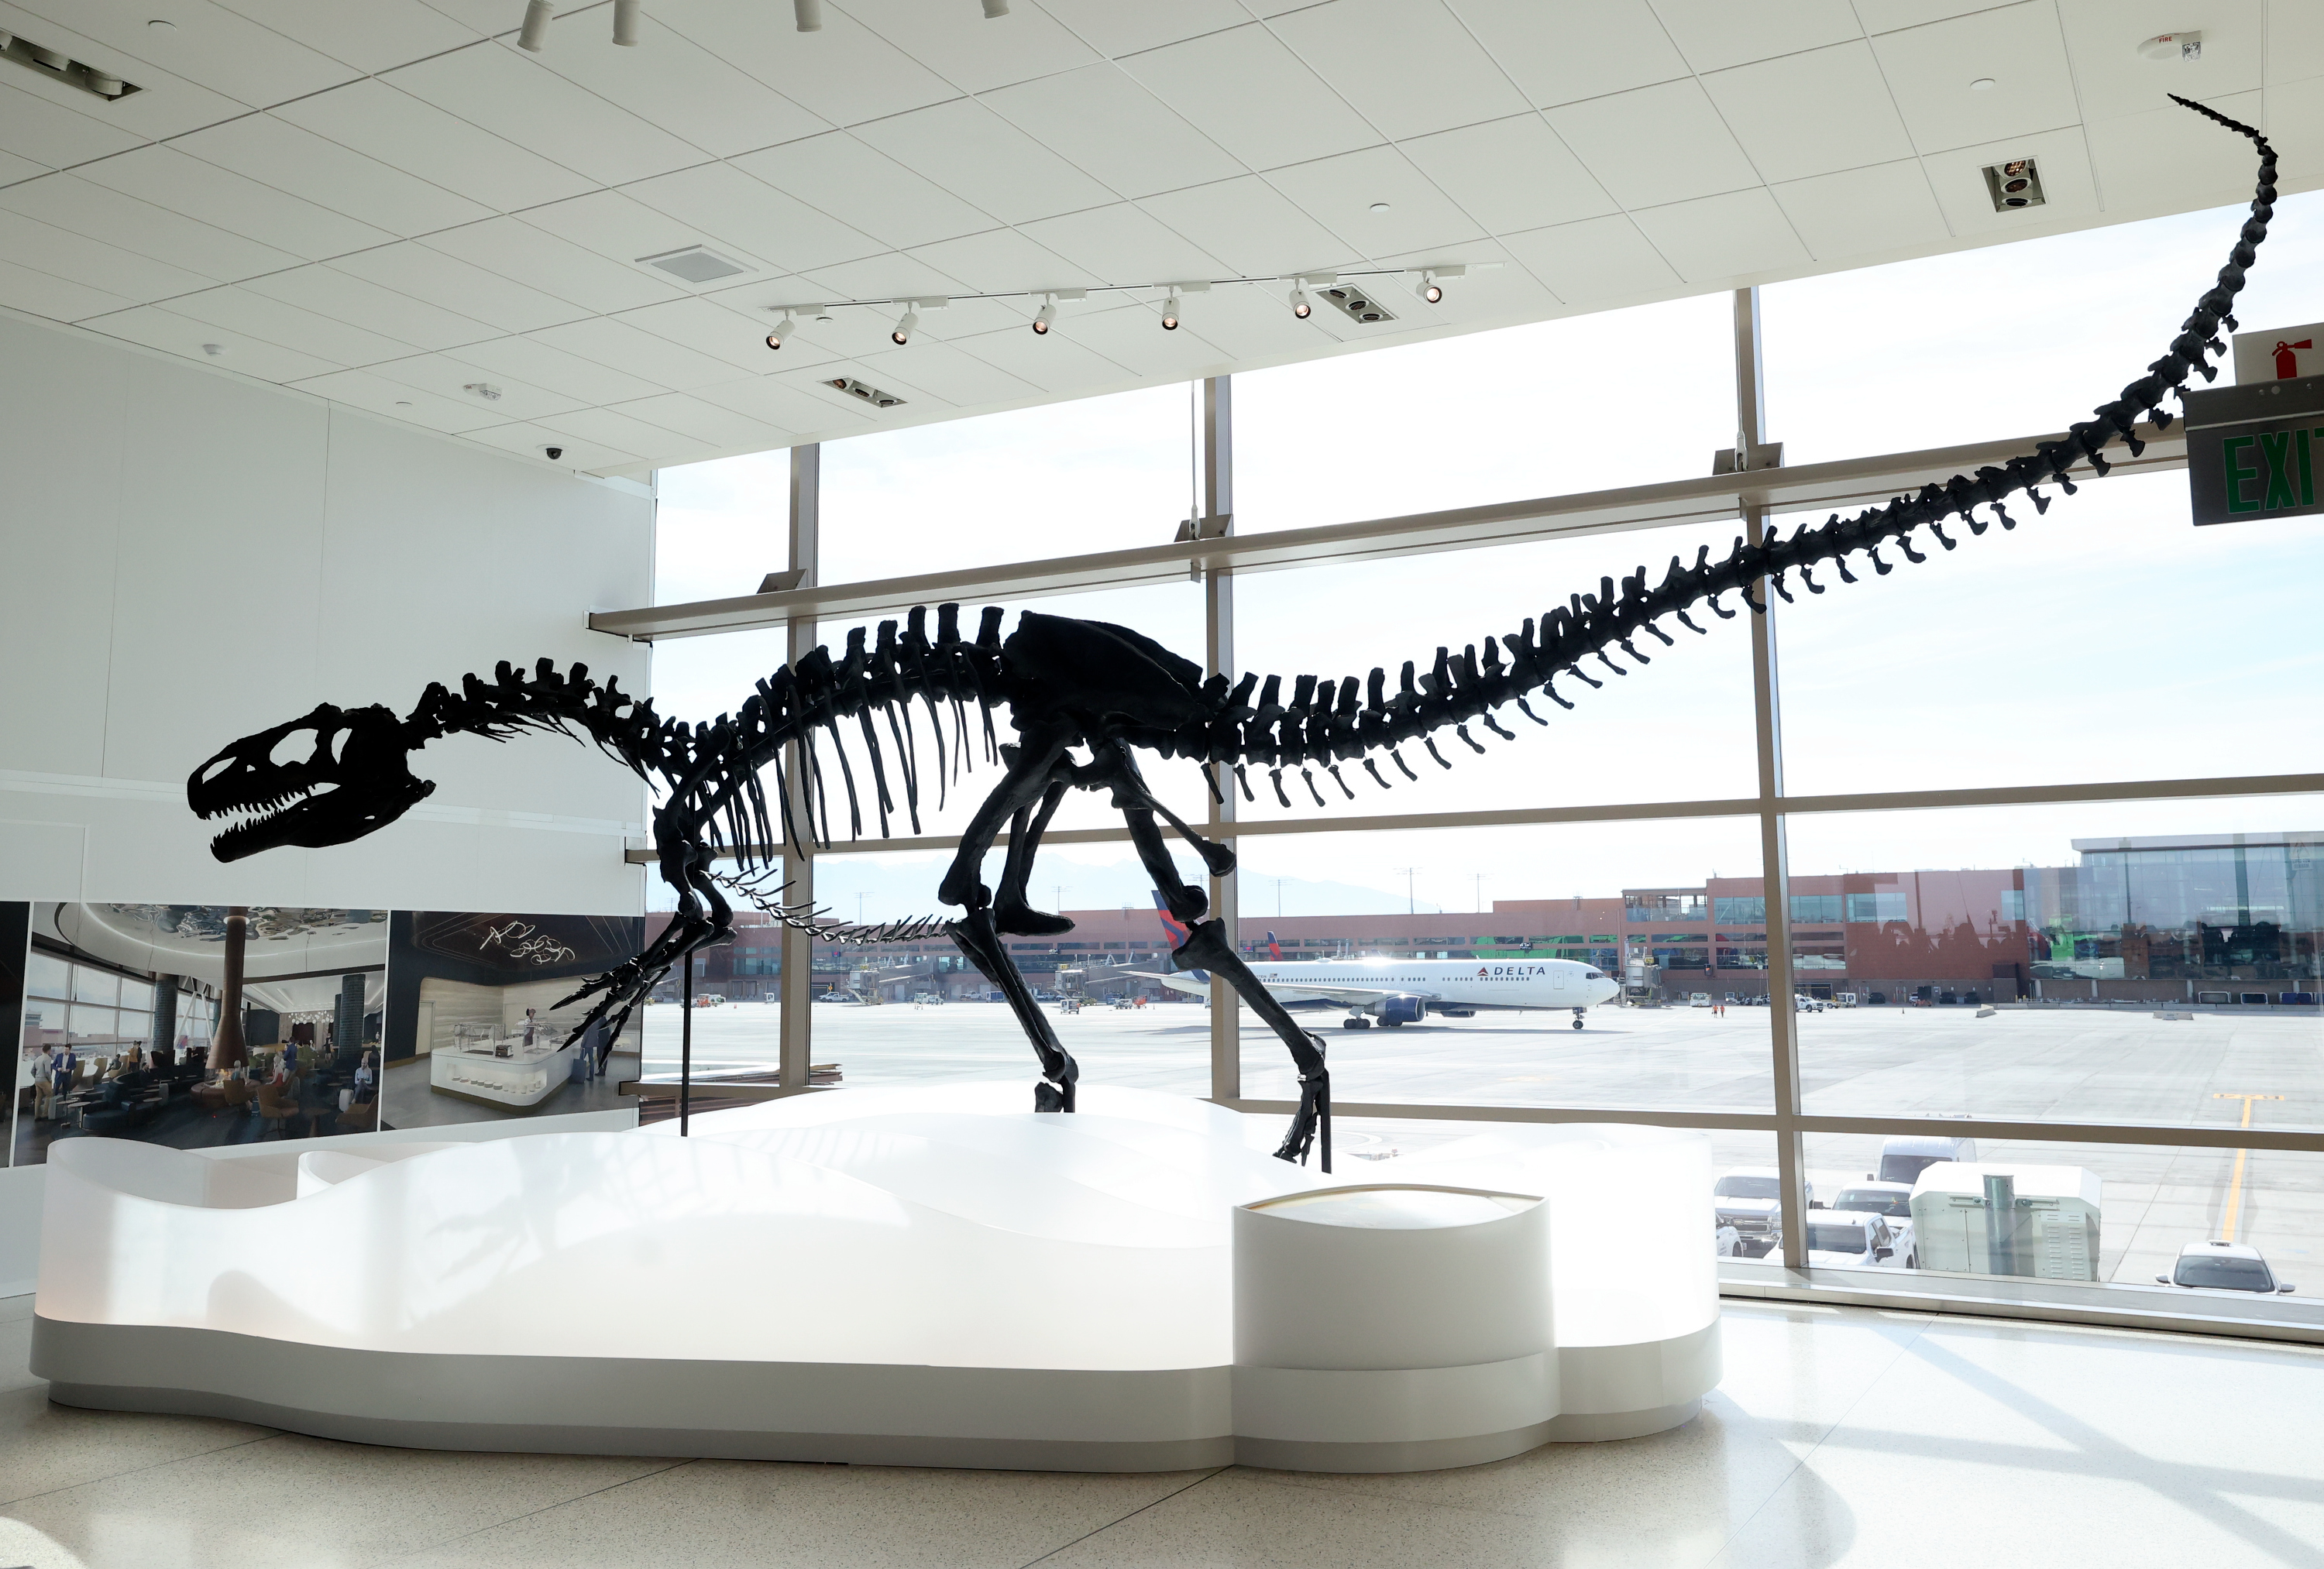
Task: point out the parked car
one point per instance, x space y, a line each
838 994
1803 1003
1726 1241
1855 1240
1904 1159
1893 1202
2223 1266
1698 1000
929 999
1749 1199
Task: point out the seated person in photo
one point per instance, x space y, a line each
366 1076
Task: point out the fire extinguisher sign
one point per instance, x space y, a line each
2255 450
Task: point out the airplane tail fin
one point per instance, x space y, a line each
1274 948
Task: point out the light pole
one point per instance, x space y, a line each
1410 908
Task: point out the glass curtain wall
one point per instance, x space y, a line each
2011 865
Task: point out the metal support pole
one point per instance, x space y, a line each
1767 716
796 985
684 1044
1217 521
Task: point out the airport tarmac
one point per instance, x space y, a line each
2067 1064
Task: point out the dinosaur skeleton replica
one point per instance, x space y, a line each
1084 698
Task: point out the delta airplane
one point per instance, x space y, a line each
1402 991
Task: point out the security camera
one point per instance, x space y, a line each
554 452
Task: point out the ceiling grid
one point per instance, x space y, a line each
392 207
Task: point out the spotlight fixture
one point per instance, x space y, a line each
1047 317
1300 306
809 14
2016 183
1170 313
1429 284
904 325
626 22
61 67
535 32
783 329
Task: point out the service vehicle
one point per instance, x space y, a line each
2223 1266
1699 1000
1904 1159
1853 1240
1891 1201
1750 1199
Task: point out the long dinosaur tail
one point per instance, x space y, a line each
1329 723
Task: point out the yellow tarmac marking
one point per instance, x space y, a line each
2236 1181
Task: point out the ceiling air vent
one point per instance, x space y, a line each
58 67
1356 304
866 392
2014 184
696 264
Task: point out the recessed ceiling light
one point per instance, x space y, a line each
1983 84
1379 206
214 350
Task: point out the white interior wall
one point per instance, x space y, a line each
190 557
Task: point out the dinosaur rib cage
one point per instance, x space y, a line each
711 772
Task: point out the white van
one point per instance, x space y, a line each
1904 1159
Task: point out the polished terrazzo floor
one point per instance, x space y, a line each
1840 1436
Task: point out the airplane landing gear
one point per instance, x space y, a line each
1355 1021
1577 1018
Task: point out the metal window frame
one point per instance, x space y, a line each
1752 486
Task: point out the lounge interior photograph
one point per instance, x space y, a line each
979 783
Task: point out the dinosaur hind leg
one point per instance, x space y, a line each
973 935
1011 912
1207 949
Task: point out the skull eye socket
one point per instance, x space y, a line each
295 747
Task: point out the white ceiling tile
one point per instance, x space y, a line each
1120 27
2017 47
1105 121
891 276
1252 95
529 440
1595 262
975 52
1511 174
1405 65
33 126
699 420
1655 145
622 230
1858 211
1888 15
957 377
2069 189
677 84
1339 193
983 159
779 404
1714 34
1718 237
373 36
1124 244
156 328
1055 363
708 327
411 267
2168 160
1253 227
449 377
553 265
210 46
608 427
186 184
329 292
669 366
1811 112
1559 53
14 168
772 225
497 87
2295 40
58 299
71 202
2111 80
863 187
45 248
278 153
846 73
238 308
555 367
1002 260
375 394
1132 336
418 138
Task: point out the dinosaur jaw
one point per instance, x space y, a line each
329 778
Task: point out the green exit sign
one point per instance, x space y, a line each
2254 451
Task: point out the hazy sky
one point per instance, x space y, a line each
2106 640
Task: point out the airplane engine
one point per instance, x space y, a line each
1401 1010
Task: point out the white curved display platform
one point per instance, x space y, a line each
920 1277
